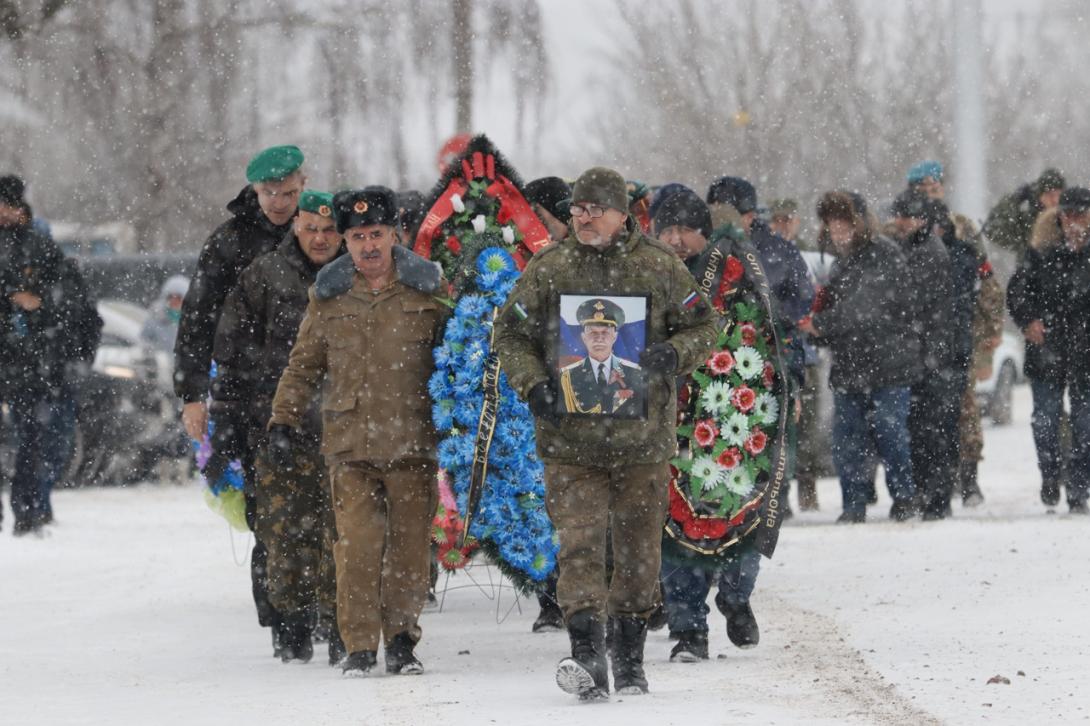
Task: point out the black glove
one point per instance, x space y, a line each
228 428
660 358
542 402
280 448
215 467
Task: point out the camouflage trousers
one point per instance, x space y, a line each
969 428
593 507
295 523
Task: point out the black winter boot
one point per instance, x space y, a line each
295 638
359 664
400 659
337 651
741 624
550 619
629 635
585 673
971 496
692 646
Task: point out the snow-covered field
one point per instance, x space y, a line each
137 610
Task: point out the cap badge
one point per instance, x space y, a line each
360 207
325 211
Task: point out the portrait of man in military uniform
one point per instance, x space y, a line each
600 380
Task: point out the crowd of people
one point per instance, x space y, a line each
321 319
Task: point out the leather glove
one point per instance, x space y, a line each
542 402
660 358
280 447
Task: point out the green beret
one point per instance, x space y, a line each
316 202
600 311
275 162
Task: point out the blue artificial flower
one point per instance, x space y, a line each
439 385
493 260
442 414
475 307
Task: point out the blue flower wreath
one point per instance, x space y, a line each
510 522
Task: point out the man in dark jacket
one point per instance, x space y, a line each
34 348
253 341
262 214
943 325
863 318
1049 298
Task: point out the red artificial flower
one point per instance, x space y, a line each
705 432
756 442
733 270
679 508
730 458
768 375
721 363
453 558
743 398
704 528
454 245
749 334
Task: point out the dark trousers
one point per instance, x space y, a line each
936 438
259 557
858 416
30 419
1048 400
685 590
60 433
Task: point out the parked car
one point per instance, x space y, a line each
994 394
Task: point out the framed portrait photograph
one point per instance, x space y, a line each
601 338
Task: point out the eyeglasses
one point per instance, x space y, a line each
592 210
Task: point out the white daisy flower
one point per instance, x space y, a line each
739 481
748 362
716 398
768 408
735 430
708 472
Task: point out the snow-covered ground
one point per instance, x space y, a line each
137 610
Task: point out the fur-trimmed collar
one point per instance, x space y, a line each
339 276
1047 232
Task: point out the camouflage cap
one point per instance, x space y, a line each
316 202
599 185
275 162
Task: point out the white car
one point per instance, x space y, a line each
994 394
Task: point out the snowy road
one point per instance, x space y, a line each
134 611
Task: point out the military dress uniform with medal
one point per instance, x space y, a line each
611 385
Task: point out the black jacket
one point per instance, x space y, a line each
1053 285
230 249
34 346
866 319
965 262
932 299
257 330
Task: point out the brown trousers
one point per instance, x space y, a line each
585 504
382 554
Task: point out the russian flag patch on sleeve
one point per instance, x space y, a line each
692 300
